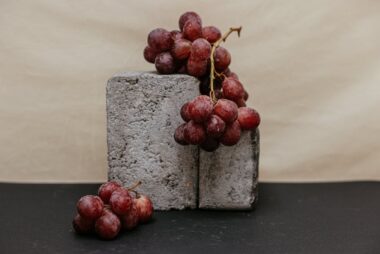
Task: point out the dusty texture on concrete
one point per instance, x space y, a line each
228 177
142 114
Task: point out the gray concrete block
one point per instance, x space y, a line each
228 177
142 114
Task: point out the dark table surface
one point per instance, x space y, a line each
289 218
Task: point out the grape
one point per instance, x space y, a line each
233 75
194 133
106 189
131 219
90 207
218 94
210 144
176 35
179 135
144 208
215 126
231 135
185 114
190 15
82 225
227 110
196 68
108 226
200 49
232 89
246 95
165 63
200 108
222 59
248 118
160 40
192 30
211 33
150 54
241 103
121 201
181 49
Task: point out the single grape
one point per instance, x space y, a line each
210 145
192 30
200 108
194 133
144 208
231 135
211 33
218 94
232 89
82 225
185 113
196 68
222 59
149 54
131 219
165 63
246 95
181 49
160 40
241 103
176 35
233 75
106 189
121 201
227 110
248 118
90 207
200 49
190 15
179 135
107 226
215 126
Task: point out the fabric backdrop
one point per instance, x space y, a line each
312 68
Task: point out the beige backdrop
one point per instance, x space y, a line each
313 68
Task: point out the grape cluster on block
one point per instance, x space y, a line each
114 209
219 114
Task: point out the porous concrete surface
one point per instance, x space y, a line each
143 111
228 177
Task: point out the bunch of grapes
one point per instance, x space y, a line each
219 114
115 208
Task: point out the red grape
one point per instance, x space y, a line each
106 189
144 208
248 118
227 110
241 103
215 126
181 49
150 54
196 68
192 30
200 108
232 89
185 114
246 95
190 15
131 219
210 144
222 58
82 225
165 63
179 135
176 35
231 135
107 226
200 49
194 133
211 33
160 40
90 207
233 75
121 201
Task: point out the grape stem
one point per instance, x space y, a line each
134 186
212 60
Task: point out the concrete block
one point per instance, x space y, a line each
228 177
142 114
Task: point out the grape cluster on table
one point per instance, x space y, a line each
114 209
209 122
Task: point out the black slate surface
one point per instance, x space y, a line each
290 218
